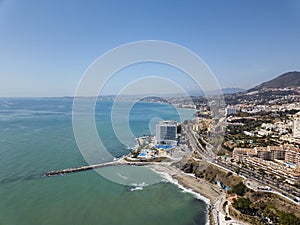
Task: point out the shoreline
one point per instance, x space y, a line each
171 178
188 181
200 188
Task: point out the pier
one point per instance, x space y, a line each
95 166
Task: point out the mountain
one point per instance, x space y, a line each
232 90
290 79
214 92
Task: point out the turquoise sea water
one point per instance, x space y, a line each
36 136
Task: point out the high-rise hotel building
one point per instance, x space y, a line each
166 132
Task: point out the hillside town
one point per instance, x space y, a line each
260 143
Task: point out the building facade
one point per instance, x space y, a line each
292 155
166 132
296 127
231 110
277 152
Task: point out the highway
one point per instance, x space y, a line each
246 173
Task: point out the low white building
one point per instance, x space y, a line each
296 126
231 110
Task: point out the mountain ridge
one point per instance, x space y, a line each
285 80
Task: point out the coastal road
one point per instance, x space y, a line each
217 208
219 214
195 145
261 181
254 185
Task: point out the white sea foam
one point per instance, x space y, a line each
143 184
139 188
168 178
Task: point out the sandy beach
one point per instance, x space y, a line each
204 190
199 186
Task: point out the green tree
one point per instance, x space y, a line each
240 189
244 206
288 219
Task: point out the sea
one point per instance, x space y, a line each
36 136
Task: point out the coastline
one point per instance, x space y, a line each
200 188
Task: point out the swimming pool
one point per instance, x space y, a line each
143 154
164 146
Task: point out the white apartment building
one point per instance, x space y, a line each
296 126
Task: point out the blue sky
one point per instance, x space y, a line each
47 45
